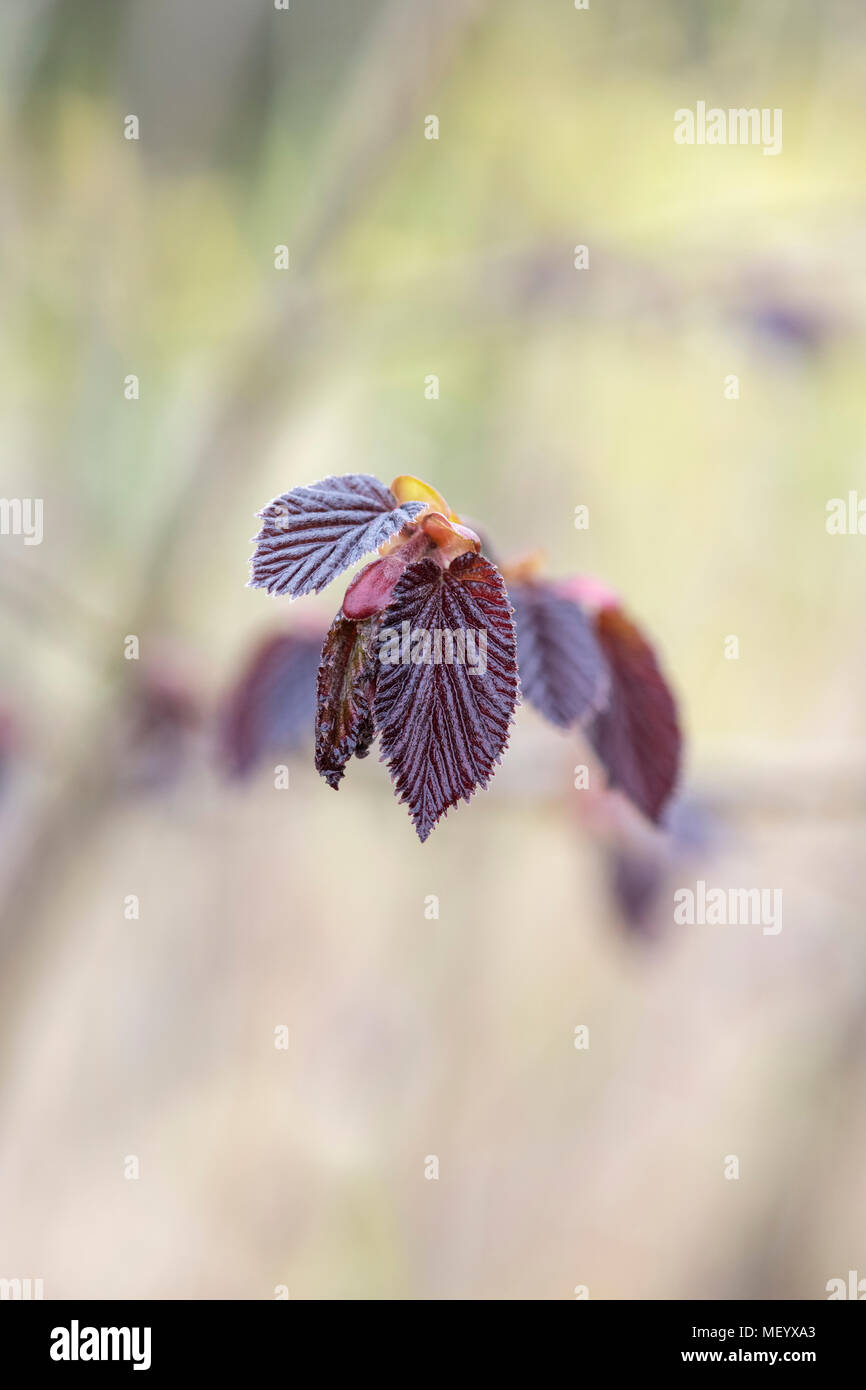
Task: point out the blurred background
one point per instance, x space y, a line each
409 1036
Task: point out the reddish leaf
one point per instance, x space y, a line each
637 735
344 696
562 670
272 706
311 534
442 728
370 591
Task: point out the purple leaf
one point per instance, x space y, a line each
311 534
443 723
637 735
562 670
344 696
272 705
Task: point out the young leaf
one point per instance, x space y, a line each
272 705
407 488
562 670
637 735
311 534
443 724
344 696
371 589
449 537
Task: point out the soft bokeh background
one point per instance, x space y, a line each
259 907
